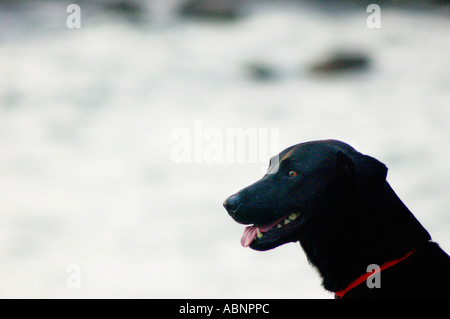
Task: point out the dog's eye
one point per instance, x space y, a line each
292 173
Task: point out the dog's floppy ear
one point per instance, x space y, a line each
368 172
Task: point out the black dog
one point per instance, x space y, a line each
337 203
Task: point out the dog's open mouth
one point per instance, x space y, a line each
270 235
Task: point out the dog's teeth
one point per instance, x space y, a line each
258 233
286 221
293 216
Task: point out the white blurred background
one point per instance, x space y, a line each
87 117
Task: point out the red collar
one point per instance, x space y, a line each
363 278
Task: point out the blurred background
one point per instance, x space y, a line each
87 117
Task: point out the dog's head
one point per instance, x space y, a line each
303 183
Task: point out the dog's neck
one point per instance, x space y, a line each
381 229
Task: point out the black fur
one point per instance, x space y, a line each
348 218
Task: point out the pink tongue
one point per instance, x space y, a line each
250 233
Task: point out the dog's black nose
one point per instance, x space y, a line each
232 204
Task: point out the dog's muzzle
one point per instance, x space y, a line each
232 204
